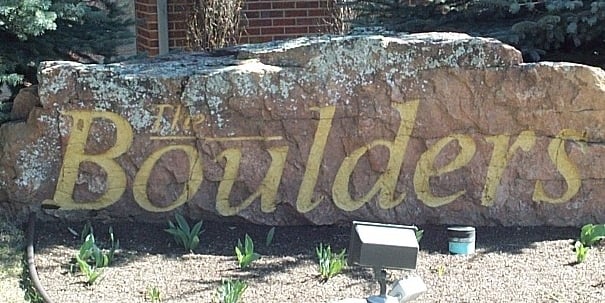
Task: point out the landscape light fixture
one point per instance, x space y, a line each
387 246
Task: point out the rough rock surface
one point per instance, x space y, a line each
24 102
425 128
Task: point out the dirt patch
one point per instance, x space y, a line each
511 265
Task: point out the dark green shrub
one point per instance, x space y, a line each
535 27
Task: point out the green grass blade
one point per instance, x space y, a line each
182 222
238 254
269 238
197 228
419 234
249 245
86 248
194 242
598 234
585 234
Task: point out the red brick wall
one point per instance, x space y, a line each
178 12
263 20
147 26
268 20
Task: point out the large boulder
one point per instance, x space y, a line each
425 128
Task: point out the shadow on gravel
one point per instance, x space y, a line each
219 239
498 239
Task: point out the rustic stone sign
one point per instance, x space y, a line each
424 128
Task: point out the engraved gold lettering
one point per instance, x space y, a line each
176 117
267 191
564 165
387 182
425 168
500 157
307 186
158 118
180 115
141 179
75 154
193 120
174 123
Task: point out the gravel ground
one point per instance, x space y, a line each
510 265
11 252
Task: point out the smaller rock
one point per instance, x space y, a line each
24 102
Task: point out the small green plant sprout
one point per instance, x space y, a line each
592 234
245 252
113 245
188 238
330 264
419 234
231 291
153 294
91 272
90 258
91 253
86 230
269 238
439 270
581 252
